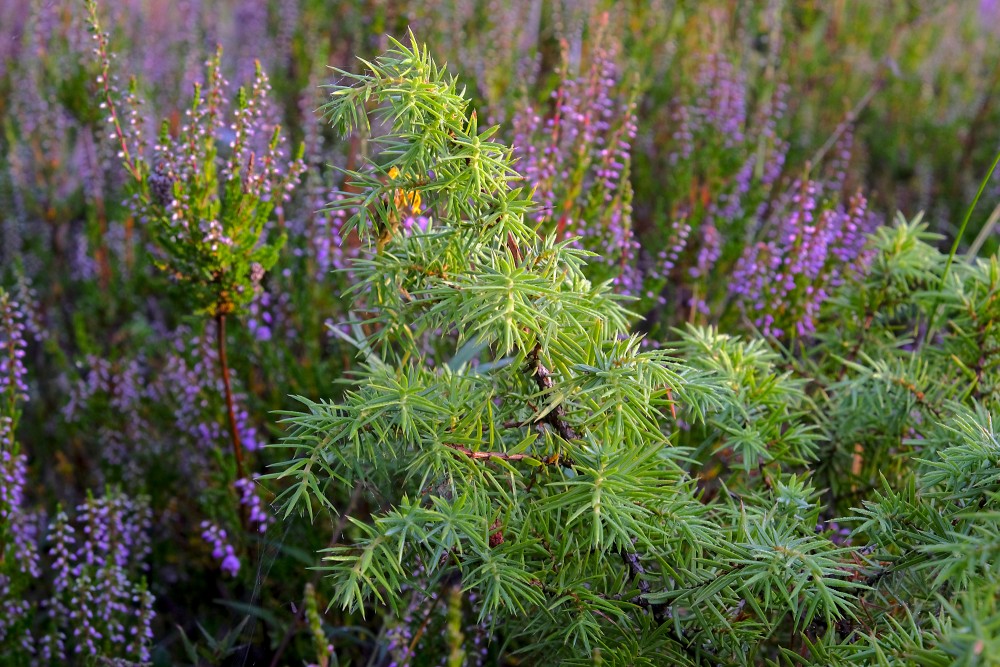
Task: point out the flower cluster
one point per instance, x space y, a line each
19 553
19 532
782 282
222 550
575 157
130 397
209 213
100 604
190 382
13 388
254 506
725 160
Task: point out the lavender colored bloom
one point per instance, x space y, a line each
230 564
576 156
96 604
19 557
13 387
118 396
22 543
190 382
782 282
255 506
221 549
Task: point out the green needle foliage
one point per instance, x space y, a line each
593 501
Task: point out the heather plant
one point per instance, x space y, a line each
575 157
68 590
209 214
781 284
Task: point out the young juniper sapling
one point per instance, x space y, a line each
542 477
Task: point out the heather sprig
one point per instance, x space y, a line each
13 387
574 153
168 402
94 608
781 282
19 549
252 502
100 603
208 209
212 217
222 551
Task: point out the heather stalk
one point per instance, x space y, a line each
133 165
12 349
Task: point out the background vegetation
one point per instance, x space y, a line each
193 233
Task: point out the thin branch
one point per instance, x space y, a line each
503 456
553 460
556 417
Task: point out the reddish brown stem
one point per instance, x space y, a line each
220 321
503 456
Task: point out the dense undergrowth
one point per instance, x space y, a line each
641 333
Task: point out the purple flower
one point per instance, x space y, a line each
253 503
96 601
230 564
221 549
782 282
575 158
13 388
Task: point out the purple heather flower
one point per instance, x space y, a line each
230 564
95 601
255 506
22 533
575 159
13 387
782 282
221 549
191 382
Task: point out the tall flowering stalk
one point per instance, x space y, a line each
18 543
100 604
13 388
208 197
782 282
575 154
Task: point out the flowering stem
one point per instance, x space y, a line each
220 321
104 80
